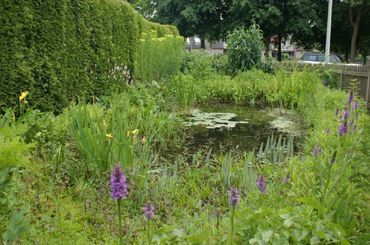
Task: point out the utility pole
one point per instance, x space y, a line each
328 32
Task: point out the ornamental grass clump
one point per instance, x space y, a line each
149 210
118 189
233 203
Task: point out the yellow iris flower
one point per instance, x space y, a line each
23 96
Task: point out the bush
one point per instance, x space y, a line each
198 63
244 48
61 50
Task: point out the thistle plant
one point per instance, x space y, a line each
233 202
118 188
149 214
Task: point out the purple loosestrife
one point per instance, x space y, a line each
261 184
350 97
149 211
346 113
316 150
118 186
343 129
118 191
355 105
286 179
233 197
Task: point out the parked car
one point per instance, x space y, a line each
319 58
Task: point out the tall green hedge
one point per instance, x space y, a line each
64 50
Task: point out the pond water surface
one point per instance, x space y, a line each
225 127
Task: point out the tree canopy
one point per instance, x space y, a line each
304 20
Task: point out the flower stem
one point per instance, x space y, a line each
119 222
148 233
231 239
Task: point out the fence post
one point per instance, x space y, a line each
367 89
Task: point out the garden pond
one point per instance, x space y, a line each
223 127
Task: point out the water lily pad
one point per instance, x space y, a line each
213 120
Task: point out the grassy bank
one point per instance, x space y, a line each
55 183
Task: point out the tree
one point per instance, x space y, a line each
276 18
357 10
192 17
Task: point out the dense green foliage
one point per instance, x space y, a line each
64 192
65 50
244 48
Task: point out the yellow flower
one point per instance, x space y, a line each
143 141
135 132
109 136
23 96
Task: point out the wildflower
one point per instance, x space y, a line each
350 97
343 129
332 159
233 202
355 105
316 150
286 179
346 113
261 184
23 96
233 197
118 184
143 140
134 132
149 211
109 136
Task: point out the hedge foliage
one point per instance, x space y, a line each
65 50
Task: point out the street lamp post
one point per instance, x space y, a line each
328 32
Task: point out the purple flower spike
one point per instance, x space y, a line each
118 186
355 105
286 179
343 129
233 197
316 150
346 113
336 112
350 97
149 211
261 184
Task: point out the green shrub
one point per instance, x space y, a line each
198 63
244 48
65 50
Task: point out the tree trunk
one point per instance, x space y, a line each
202 43
267 46
279 48
354 40
355 25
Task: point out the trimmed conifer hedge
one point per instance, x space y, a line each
64 50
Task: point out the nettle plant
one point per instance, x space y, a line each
244 48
